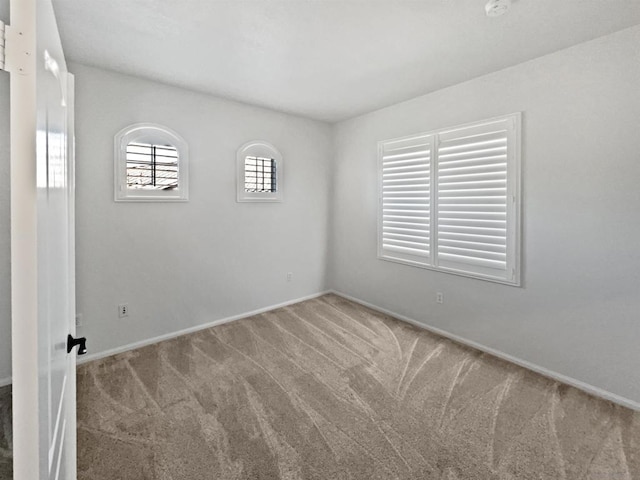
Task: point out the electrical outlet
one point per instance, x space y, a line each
439 297
123 310
78 320
289 276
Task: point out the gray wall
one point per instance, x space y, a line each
179 265
578 312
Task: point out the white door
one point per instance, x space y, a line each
42 244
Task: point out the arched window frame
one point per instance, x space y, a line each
155 134
264 150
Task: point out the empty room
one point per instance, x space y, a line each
319 239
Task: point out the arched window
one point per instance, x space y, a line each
151 164
259 173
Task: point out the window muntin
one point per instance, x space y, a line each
450 200
151 164
259 173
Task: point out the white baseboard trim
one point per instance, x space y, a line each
585 387
5 381
169 336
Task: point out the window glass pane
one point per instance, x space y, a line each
259 174
152 167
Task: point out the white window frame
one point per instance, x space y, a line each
264 150
153 134
511 275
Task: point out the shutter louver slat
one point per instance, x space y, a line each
473 160
404 190
444 237
411 238
405 196
405 213
404 153
498 200
480 178
486 185
457 140
473 261
471 190
405 161
405 250
481 213
404 230
472 200
483 153
460 231
417 248
402 218
405 207
403 169
460 222
484 167
471 253
406 175
490 247
405 225
405 182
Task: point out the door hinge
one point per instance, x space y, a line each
2 45
16 52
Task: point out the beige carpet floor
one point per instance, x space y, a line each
327 389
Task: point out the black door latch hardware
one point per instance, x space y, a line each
81 342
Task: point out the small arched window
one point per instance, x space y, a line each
151 164
259 173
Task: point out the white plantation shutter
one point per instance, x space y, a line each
474 200
450 200
405 206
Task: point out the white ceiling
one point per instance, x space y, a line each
325 59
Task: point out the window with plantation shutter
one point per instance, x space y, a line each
405 227
460 213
